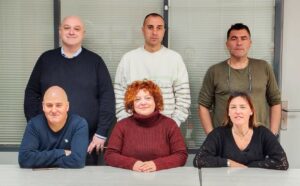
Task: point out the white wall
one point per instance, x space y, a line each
290 137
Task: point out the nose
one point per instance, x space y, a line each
53 109
143 101
239 42
238 110
71 31
154 31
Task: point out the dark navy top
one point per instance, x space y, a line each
41 147
86 80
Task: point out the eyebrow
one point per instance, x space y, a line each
243 36
154 25
73 26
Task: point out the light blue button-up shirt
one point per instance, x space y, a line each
74 55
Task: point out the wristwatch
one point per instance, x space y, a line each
228 163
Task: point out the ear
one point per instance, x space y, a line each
43 105
68 106
142 29
59 30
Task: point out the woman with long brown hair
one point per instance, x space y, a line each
240 142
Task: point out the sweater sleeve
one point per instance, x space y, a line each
275 157
178 153
29 154
106 100
209 153
78 149
120 88
113 155
206 94
33 94
273 92
182 94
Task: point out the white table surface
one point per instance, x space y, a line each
249 177
12 175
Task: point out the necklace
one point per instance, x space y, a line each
249 77
242 135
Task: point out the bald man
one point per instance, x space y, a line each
55 138
83 75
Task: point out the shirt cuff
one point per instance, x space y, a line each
100 137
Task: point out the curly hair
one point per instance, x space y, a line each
147 85
245 96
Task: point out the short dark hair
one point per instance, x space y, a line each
238 26
153 15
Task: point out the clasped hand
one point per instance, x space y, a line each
147 166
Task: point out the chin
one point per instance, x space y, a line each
239 123
54 121
144 113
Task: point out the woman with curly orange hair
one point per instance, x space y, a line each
147 141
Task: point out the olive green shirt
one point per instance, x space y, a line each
257 78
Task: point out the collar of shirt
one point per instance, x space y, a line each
74 55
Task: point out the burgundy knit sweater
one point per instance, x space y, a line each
155 137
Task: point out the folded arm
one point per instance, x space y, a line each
178 153
78 148
113 155
31 157
208 155
275 157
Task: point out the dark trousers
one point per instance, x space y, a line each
95 159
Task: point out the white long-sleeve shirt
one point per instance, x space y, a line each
167 69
